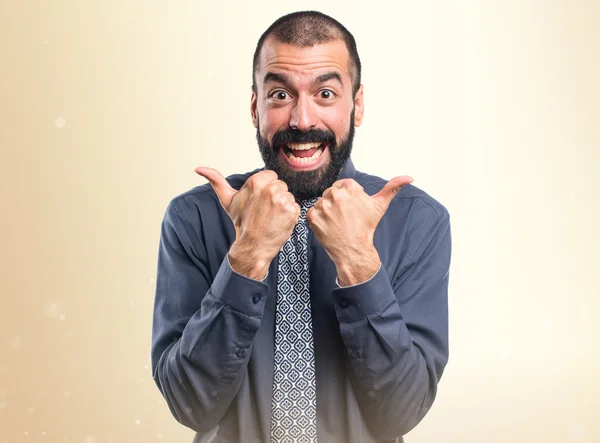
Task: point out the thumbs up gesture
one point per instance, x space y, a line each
263 213
344 220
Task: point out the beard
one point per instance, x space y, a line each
306 185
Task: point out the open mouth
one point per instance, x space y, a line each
304 153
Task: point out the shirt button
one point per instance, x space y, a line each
344 303
355 354
241 353
256 298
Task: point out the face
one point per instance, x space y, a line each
305 113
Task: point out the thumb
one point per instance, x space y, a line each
223 190
384 197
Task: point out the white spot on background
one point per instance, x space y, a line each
504 351
60 122
52 310
159 435
152 280
43 433
137 422
26 433
146 366
45 42
16 342
577 432
62 317
89 439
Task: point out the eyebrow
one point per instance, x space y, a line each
329 76
283 79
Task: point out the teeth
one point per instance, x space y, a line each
305 159
302 146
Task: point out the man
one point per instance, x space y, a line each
305 301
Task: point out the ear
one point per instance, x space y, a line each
253 111
359 107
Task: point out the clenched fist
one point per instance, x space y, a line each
344 220
263 213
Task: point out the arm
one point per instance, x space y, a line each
202 329
396 334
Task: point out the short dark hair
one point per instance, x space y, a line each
306 29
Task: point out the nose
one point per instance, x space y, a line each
303 117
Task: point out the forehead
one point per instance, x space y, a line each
276 57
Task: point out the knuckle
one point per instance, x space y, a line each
251 182
275 198
336 194
272 189
281 184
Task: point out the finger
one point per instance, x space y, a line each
342 182
287 199
277 186
326 192
223 190
261 179
391 188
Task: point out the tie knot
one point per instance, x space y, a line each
305 205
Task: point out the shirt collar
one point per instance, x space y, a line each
348 171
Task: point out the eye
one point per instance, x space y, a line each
326 94
279 95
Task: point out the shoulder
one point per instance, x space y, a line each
413 219
409 196
201 203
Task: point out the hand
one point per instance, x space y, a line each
263 213
344 220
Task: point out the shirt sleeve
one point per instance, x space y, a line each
396 336
203 329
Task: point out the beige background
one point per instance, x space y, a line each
106 107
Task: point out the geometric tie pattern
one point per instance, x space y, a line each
294 401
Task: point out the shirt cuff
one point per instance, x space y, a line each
358 301
337 282
239 292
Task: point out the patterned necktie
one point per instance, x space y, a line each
294 410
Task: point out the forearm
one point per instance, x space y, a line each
394 381
200 373
397 334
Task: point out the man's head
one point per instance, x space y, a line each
306 100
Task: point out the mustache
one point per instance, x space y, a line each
291 135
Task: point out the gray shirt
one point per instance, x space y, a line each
380 346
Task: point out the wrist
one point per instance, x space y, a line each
356 269
247 260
